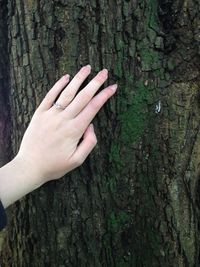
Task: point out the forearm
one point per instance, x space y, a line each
17 179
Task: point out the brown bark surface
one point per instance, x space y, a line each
135 201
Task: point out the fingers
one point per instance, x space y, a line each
84 97
88 113
70 91
85 147
53 93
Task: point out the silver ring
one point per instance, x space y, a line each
58 106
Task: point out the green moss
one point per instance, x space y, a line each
122 263
153 20
150 59
114 155
117 220
118 70
136 107
112 184
171 64
135 120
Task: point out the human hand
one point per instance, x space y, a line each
49 147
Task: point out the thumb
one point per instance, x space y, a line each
85 147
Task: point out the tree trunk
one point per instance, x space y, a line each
5 151
135 201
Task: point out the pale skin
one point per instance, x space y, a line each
50 147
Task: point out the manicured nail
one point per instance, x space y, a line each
88 66
104 71
113 87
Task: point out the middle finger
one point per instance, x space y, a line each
70 90
85 95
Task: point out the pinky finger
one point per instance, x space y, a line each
84 148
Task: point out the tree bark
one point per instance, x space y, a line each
5 149
135 201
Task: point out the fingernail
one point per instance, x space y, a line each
88 66
67 76
113 87
104 71
92 126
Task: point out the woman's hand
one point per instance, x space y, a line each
50 147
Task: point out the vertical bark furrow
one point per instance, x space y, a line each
4 87
5 125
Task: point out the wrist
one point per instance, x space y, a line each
17 178
29 168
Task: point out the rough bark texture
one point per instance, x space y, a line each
4 85
5 150
135 201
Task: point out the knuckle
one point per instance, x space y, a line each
79 76
74 130
85 97
105 94
95 105
68 96
78 161
59 82
93 140
48 97
99 79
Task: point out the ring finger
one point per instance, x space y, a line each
71 89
